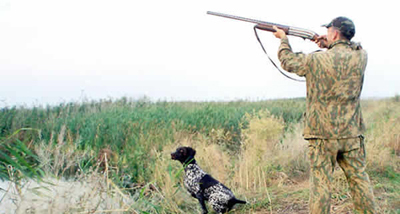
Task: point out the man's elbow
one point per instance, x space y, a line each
287 66
293 68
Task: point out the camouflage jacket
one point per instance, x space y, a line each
334 82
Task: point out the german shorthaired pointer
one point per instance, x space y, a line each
202 186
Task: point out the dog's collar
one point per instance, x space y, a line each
189 161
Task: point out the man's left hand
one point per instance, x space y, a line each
280 34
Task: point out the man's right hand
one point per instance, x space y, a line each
322 41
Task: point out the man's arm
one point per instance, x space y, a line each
292 62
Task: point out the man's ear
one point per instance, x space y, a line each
336 35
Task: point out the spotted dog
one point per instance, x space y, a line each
202 186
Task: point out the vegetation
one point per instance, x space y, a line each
121 150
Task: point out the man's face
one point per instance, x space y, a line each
332 35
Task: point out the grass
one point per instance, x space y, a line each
121 149
134 128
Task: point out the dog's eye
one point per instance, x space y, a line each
181 151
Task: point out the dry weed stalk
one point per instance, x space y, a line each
261 139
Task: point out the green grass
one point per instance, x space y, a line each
133 128
17 160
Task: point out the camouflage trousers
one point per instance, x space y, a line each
350 155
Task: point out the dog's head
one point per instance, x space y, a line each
184 154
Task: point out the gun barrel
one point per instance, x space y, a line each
303 33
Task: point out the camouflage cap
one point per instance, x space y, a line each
345 26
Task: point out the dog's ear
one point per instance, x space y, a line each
183 151
191 152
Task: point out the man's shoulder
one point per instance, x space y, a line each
318 54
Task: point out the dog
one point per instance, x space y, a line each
202 186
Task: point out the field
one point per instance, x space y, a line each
114 156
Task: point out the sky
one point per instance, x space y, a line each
56 51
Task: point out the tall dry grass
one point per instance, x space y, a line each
383 134
261 141
267 156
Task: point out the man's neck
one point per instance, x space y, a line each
339 41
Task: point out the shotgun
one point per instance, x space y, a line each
267 26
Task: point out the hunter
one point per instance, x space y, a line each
333 121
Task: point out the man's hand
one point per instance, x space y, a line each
280 34
322 41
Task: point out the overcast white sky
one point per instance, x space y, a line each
54 51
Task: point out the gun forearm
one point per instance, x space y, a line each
270 28
292 31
